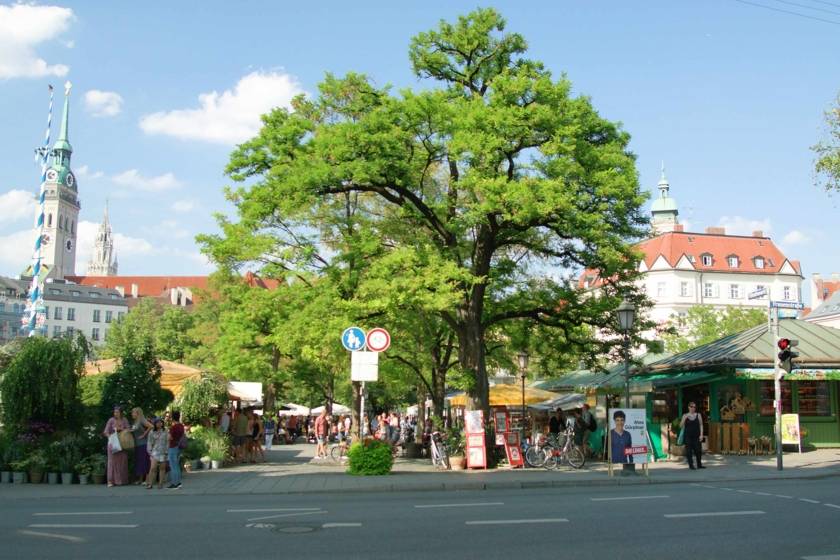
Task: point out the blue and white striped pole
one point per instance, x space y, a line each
35 320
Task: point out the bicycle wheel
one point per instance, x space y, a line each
552 460
575 457
335 453
535 457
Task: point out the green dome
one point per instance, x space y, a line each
664 204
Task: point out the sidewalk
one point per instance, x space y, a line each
289 470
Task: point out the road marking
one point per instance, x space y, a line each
825 557
86 513
474 504
335 525
270 510
809 501
727 489
286 515
52 536
745 491
763 494
629 498
81 526
713 514
516 521
783 496
832 506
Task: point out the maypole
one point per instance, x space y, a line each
35 318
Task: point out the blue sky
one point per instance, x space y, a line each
728 94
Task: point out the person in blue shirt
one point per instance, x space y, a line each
620 439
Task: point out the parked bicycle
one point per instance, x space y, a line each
567 452
440 454
537 454
338 451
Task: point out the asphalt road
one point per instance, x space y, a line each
766 519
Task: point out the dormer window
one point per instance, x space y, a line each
733 261
707 259
759 262
691 259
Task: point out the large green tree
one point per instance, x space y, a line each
827 164
705 323
163 327
512 182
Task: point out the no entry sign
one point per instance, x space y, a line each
378 340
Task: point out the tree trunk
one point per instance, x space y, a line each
358 413
421 417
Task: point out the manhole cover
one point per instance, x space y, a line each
294 529
260 525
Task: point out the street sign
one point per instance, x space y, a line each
787 304
353 339
757 294
378 340
364 366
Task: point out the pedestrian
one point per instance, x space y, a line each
269 427
692 423
176 433
257 436
140 428
157 444
291 428
240 435
320 429
589 426
224 422
555 423
117 460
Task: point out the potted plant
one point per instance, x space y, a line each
85 468
99 465
205 462
217 448
51 452
36 465
68 455
196 448
15 459
19 469
5 469
455 445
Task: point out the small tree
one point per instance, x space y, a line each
136 382
201 395
40 383
703 324
827 164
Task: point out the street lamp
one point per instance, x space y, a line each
522 358
626 316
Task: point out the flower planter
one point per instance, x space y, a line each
196 464
67 478
206 465
458 462
5 477
19 477
52 478
35 477
83 479
216 464
99 479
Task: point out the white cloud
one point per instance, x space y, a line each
738 225
168 229
125 246
184 206
84 172
16 251
230 117
103 103
795 237
22 28
133 179
16 205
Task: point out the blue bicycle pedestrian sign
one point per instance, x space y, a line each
353 339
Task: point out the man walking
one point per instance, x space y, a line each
321 435
176 433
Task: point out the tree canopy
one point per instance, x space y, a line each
704 323
827 164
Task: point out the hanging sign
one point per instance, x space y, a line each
378 340
353 339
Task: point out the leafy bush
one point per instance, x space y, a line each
5 443
370 457
92 464
135 382
67 452
15 452
201 395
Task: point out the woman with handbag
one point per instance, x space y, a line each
117 456
140 428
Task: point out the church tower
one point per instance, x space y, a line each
664 209
104 260
61 205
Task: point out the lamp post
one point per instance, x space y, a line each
626 316
522 358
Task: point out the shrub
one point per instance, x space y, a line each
200 396
370 457
135 382
92 464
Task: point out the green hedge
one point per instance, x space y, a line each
370 457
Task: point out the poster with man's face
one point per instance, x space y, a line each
628 436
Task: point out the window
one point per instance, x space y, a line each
93 294
75 293
94 334
70 330
56 331
760 287
759 262
58 314
707 260
734 291
691 259
814 398
684 289
109 316
767 391
114 296
120 315
2 306
96 313
49 220
71 313
733 262
786 293
660 289
55 291
708 290
46 310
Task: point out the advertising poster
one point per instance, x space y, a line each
474 421
790 429
628 438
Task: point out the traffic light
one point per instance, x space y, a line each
787 353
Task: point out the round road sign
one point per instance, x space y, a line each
353 338
378 340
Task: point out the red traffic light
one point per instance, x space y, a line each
784 343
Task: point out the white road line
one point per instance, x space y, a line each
832 506
52 536
297 514
713 514
270 510
809 501
783 496
334 525
85 513
727 489
763 494
629 498
824 557
81 526
474 504
516 521
745 491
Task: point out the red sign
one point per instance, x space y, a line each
638 450
513 450
378 340
476 445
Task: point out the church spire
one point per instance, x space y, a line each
664 209
664 185
63 142
104 259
